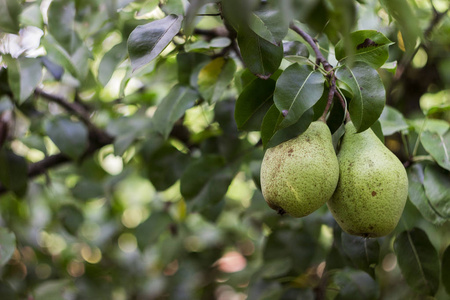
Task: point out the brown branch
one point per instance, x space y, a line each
320 59
330 96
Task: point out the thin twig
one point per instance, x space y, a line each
330 96
320 59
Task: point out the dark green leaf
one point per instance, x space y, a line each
71 218
7 245
173 107
126 130
110 62
418 197
418 260
364 253
61 21
147 41
352 283
264 290
214 78
297 90
295 49
24 74
402 13
376 128
253 103
437 189
206 181
69 136
368 94
10 11
369 46
13 172
446 269
261 57
164 164
149 231
187 63
392 121
270 21
438 146
88 189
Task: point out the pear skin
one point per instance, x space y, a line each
301 174
373 186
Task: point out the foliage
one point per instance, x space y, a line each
132 134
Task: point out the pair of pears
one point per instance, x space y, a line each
365 186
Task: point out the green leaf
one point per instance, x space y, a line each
13 172
126 130
261 57
438 146
69 136
376 128
272 136
173 107
149 231
437 189
24 74
71 218
253 103
10 11
191 14
369 46
297 90
205 181
61 23
402 13
52 289
270 21
187 63
7 245
364 253
147 41
214 78
392 121
369 94
417 196
110 62
446 269
418 260
351 282
164 164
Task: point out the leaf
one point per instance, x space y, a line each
401 11
7 245
192 11
205 181
13 172
369 94
110 61
61 21
418 260
368 46
446 269
364 253
52 289
187 63
173 107
214 78
438 146
272 136
261 57
295 48
24 74
392 121
10 11
418 197
351 282
297 90
253 103
437 189
69 136
270 21
164 164
147 41
149 231
56 70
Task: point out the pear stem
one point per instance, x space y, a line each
330 96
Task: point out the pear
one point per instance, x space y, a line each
301 174
373 185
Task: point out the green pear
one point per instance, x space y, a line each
300 175
373 185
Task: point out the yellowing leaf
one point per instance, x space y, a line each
401 44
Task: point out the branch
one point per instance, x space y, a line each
320 59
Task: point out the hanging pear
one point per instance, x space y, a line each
373 185
300 175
